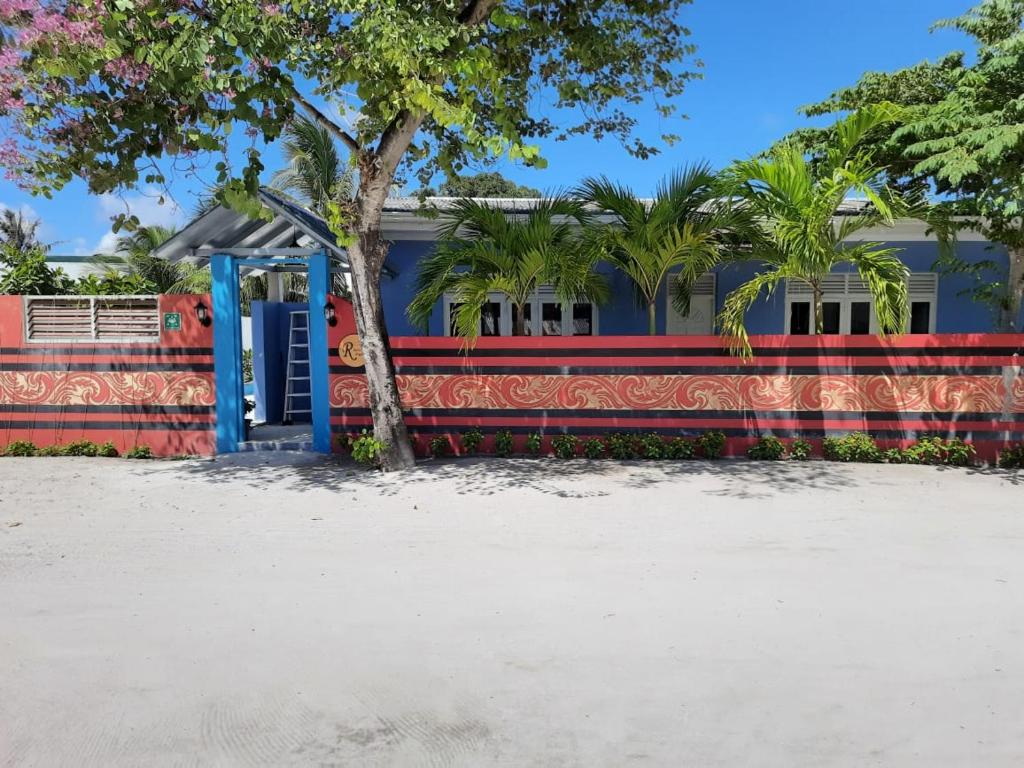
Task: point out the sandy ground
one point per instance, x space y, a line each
251 613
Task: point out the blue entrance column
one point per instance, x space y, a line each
227 352
319 372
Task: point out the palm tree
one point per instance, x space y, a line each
316 173
482 250
20 232
686 230
795 198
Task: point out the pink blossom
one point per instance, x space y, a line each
128 69
10 9
272 9
230 93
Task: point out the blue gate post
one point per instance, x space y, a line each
227 352
319 371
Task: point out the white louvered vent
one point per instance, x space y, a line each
705 285
851 284
131 318
92 318
923 282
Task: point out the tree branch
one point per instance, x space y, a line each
343 136
476 11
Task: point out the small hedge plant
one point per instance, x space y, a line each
564 446
595 448
767 448
933 450
651 446
74 448
503 444
471 440
139 452
855 446
800 450
711 444
622 447
1012 457
534 442
440 446
366 449
679 448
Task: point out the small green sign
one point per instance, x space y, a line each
172 321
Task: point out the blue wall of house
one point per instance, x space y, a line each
623 315
270 325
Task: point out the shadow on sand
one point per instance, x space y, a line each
564 479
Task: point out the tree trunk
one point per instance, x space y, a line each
1009 313
652 318
519 326
366 257
818 318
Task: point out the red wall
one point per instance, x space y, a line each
157 395
896 389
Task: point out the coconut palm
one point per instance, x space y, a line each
684 231
20 232
795 199
482 250
316 173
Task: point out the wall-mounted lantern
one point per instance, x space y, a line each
329 315
203 314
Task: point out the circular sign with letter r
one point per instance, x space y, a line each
351 351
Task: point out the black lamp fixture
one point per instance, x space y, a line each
329 314
203 314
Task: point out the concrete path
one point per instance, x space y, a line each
254 612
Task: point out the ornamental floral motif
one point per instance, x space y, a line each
849 393
87 388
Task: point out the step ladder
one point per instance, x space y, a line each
296 387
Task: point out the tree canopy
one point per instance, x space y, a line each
488 184
962 137
121 92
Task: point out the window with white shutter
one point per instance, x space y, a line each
92 318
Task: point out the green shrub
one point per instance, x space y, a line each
933 450
107 450
471 440
50 451
855 446
594 448
21 448
767 448
711 444
440 446
800 450
565 446
139 452
80 448
894 456
679 448
534 442
652 447
366 449
1012 457
623 446
503 443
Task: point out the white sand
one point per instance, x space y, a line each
246 613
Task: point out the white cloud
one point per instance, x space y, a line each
107 244
145 205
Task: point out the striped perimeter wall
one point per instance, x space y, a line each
897 390
158 395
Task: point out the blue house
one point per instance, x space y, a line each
938 303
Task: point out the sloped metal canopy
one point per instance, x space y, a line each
293 230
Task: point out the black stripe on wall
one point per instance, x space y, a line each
976 434
121 426
706 352
703 370
127 350
58 366
588 413
157 410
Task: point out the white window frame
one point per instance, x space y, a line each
543 295
847 288
93 337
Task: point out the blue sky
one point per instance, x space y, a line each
763 60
